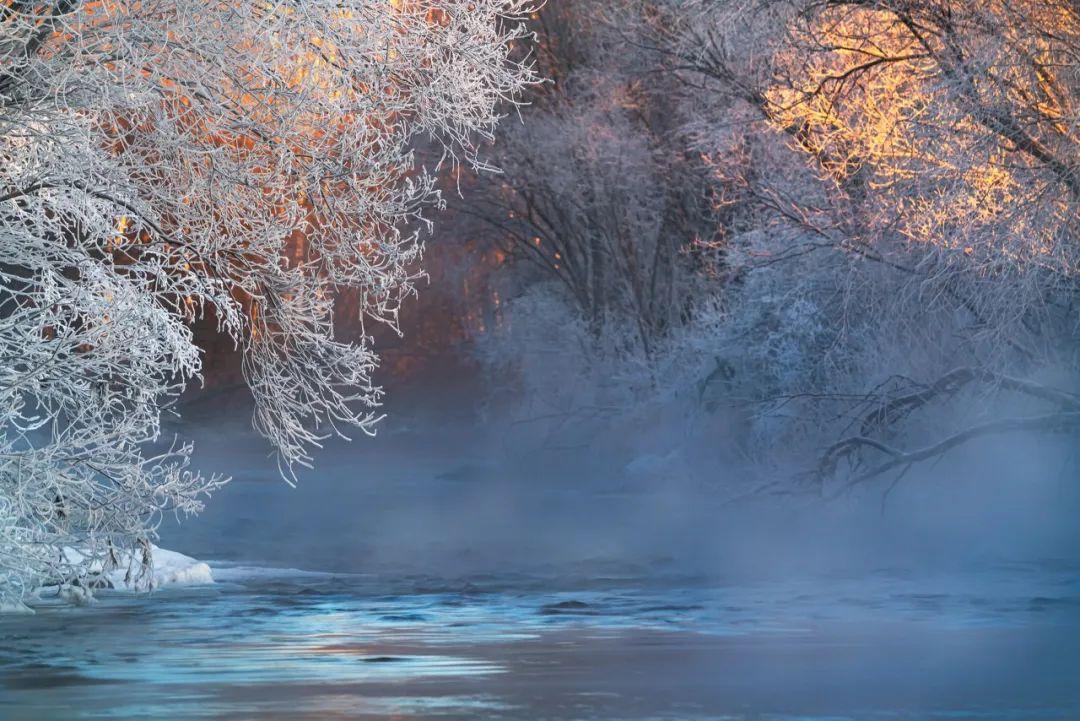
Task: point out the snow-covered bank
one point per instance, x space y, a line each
169 568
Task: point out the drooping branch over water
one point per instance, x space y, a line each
162 160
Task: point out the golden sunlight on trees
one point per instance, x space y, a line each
936 146
960 120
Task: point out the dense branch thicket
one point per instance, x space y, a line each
891 194
160 159
595 216
938 144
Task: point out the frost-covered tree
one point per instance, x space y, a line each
597 211
904 171
164 159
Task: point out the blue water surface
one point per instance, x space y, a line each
993 644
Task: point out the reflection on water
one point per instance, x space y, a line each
994 644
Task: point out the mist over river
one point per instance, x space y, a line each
440 577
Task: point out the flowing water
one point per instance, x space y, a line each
997 643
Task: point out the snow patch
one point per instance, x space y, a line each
176 569
170 569
236 573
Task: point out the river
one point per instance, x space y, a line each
992 644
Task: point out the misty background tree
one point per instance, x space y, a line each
834 238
